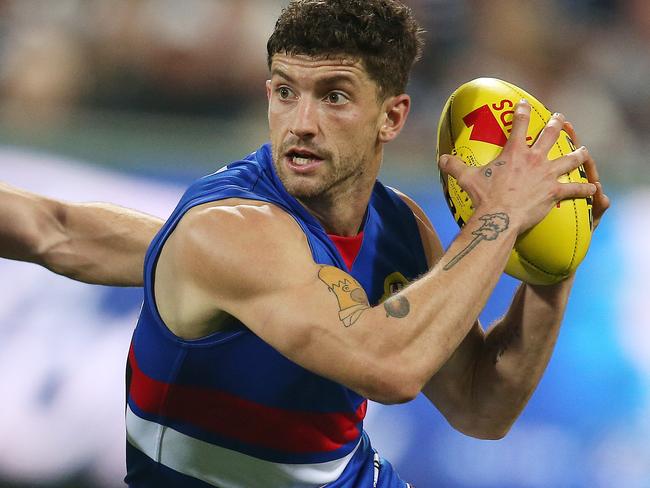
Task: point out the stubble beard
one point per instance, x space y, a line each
323 185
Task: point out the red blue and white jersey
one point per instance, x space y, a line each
230 411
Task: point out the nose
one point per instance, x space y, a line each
305 121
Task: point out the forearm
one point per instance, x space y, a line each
27 221
100 244
516 352
442 306
91 242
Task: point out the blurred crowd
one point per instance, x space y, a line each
206 58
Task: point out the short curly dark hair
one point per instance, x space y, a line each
382 34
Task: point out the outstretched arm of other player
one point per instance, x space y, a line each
92 242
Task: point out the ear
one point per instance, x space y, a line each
396 110
268 89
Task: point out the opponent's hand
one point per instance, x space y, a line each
601 200
521 181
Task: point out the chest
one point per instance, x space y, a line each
384 259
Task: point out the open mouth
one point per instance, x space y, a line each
303 159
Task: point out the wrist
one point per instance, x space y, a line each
517 221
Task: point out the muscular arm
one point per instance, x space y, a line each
91 242
489 379
252 261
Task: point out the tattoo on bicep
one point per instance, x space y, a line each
397 306
493 225
351 297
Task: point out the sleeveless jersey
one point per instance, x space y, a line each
228 410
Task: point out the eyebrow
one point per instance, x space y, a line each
338 78
279 72
325 81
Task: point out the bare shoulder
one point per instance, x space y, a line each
230 234
430 240
236 212
219 255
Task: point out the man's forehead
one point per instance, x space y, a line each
304 61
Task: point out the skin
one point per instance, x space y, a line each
91 242
321 105
424 338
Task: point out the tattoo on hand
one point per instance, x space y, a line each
397 306
351 297
489 172
493 225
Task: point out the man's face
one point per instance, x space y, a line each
324 118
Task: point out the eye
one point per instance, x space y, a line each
337 98
284 92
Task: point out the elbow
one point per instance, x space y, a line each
477 419
391 386
29 246
489 433
488 429
45 238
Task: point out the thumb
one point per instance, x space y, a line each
452 165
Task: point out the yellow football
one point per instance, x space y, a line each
475 125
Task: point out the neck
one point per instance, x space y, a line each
341 210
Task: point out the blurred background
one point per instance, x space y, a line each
129 100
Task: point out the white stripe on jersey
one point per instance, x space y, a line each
223 467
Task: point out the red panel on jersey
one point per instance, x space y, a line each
230 416
348 247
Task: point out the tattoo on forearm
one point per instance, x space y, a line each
510 335
493 225
397 306
351 297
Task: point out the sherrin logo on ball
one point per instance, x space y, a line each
474 126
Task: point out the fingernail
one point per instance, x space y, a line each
523 100
443 160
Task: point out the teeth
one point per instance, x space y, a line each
300 161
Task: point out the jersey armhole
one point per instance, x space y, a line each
153 254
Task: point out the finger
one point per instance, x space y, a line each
571 161
452 166
566 191
591 169
569 129
601 202
549 134
520 123
599 190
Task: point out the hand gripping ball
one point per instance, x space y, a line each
474 125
